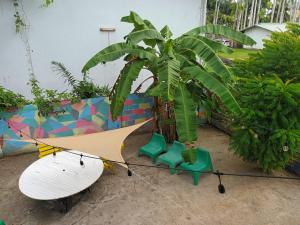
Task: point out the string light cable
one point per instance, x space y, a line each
218 173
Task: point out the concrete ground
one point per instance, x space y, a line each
153 196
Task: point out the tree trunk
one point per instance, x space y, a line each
282 12
251 14
239 21
246 14
278 11
294 11
273 10
204 10
215 20
254 13
218 10
167 121
164 118
236 15
297 7
258 11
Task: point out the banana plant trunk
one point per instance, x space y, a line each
165 120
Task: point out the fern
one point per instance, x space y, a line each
61 70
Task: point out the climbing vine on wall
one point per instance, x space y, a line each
19 19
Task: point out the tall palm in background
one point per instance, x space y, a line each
185 71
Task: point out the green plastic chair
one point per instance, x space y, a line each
154 148
173 157
2 222
203 163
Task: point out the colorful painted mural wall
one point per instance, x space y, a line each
88 116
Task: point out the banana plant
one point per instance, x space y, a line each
179 66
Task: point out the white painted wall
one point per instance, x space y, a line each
257 34
68 32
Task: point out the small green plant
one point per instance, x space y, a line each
80 89
267 130
10 100
46 100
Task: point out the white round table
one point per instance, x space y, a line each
59 176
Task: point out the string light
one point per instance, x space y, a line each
81 162
221 187
129 173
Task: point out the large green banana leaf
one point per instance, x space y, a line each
216 46
184 60
133 18
215 86
116 51
146 34
140 24
156 91
207 55
123 85
185 114
166 32
168 74
223 31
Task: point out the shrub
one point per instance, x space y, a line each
10 100
267 132
280 55
46 100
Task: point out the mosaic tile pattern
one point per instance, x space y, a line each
87 116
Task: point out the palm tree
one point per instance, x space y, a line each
184 69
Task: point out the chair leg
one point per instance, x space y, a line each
154 159
157 162
196 178
139 154
172 170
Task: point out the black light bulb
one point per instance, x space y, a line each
129 173
221 188
21 135
81 162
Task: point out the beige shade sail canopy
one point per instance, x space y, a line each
106 144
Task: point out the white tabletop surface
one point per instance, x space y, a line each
60 176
